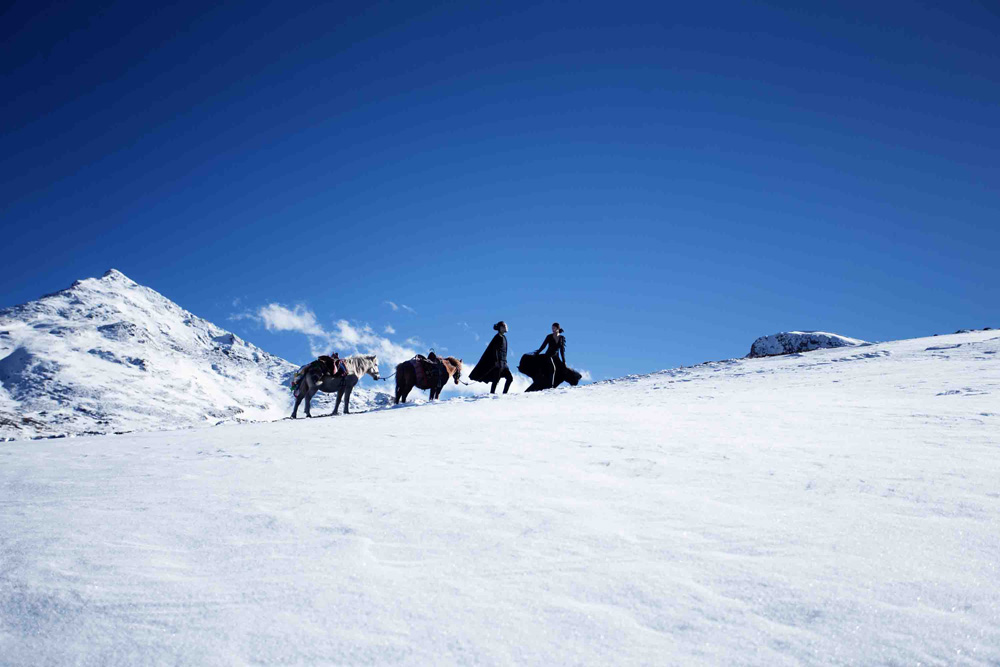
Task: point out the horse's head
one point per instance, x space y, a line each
373 368
457 364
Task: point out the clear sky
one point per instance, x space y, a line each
668 180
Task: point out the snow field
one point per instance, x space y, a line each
834 507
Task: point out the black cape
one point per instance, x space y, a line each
493 362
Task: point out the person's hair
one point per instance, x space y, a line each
556 325
496 327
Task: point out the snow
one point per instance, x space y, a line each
109 355
834 508
793 342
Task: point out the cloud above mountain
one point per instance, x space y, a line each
343 336
281 318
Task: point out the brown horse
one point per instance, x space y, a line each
406 376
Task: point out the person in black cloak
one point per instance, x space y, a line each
492 365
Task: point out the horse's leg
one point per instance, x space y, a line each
347 400
311 390
299 393
340 394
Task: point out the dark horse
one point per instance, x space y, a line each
343 386
406 376
546 372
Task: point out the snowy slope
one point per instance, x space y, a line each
793 342
110 355
835 508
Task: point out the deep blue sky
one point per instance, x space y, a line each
668 180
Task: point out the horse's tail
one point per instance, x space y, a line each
399 380
296 380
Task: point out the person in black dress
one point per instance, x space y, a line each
493 364
554 344
554 347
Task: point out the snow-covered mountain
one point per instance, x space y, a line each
793 342
839 507
109 355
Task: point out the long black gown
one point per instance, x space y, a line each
548 369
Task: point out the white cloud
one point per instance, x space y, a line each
276 317
280 318
397 306
348 338
389 330
414 341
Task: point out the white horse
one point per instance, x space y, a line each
312 382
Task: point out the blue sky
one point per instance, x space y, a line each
668 181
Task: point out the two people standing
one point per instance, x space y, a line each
492 366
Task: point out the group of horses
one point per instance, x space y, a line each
432 374
446 368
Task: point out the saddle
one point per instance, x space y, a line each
324 366
428 373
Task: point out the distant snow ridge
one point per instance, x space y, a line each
109 355
793 342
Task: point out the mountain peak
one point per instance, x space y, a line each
114 275
108 354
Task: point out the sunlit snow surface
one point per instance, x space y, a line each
835 507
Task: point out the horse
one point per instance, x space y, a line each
312 382
546 372
406 377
